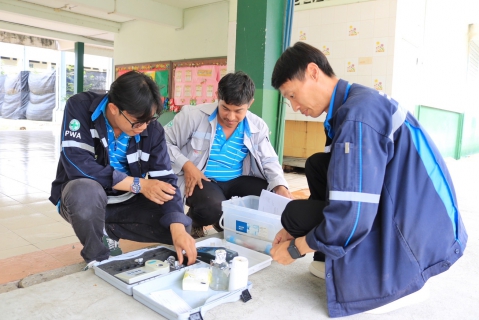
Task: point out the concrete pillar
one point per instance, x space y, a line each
79 56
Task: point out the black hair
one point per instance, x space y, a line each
136 93
236 88
293 63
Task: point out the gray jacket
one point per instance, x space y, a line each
189 137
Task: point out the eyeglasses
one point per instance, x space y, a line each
136 125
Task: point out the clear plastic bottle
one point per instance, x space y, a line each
219 271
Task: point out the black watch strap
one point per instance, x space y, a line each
293 250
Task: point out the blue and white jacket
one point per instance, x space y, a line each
84 154
392 220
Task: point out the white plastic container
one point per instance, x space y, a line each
246 226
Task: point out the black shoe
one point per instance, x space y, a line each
319 256
217 227
112 245
197 232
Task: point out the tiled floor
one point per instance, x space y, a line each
33 236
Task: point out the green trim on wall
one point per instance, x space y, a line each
268 108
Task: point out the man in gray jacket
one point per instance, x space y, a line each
220 150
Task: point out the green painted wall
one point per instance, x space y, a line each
444 127
166 117
455 134
259 36
470 135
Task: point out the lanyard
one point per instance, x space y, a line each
327 125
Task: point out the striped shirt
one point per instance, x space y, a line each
117 148
226 156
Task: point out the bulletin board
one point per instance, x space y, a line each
196 81
159 71
192 81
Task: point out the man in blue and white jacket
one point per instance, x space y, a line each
388 219
109 145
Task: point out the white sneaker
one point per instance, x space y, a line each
90 265
317 268
413 298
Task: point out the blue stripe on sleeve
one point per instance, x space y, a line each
360 186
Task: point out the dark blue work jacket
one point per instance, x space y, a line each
84 154
392 220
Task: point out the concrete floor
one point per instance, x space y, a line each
30 227
279 292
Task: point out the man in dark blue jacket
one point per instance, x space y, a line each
114 178
383 210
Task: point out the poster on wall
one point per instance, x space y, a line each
196 81
196 85
162 79
158 71
223 71
183 84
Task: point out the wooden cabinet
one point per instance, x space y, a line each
303 138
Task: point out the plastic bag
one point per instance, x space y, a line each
16 96
42 96
2 91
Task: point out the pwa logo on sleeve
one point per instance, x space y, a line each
74 126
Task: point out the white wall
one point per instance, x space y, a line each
233 13
443 71
410 24
204 35
351 36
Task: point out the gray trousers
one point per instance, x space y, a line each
84 206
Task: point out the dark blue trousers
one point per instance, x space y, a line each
84 206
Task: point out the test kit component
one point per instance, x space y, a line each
196 279
150 263
238 273
206 254
152 268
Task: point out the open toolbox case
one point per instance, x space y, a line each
171 283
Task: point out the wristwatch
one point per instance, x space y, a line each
136 187
293 250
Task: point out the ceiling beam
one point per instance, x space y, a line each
47 13
55 35
142 10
